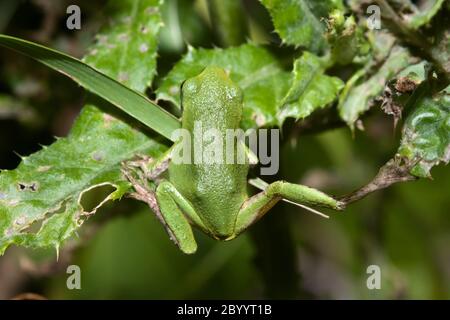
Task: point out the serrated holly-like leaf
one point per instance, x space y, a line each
311 89
301 22
355 100
127 42
426 133
40 200
47 186
253 68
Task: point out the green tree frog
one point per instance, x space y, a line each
210 196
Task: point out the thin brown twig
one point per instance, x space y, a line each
392 172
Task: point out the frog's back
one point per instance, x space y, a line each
212 104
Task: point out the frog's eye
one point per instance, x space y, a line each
189 87
232 93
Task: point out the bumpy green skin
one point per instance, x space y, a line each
216 191
213 197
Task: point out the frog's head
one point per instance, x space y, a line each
212 95
213 82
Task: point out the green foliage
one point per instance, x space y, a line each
270 94
40 200
356 98
324 59
347 41
311 89
253 68
11 108
426 133
133 103
128 42
300 22
218 270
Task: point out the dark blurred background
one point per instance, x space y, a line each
124 253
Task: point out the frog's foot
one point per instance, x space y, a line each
141 161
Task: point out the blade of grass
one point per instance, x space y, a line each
126 99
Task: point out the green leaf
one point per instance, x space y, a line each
356 98
426 133
346 38
47 186
311 89
253 68
40 200
300 22
133 103
127 42
415 72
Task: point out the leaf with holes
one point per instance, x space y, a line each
47 186
40 200
355 99
253 68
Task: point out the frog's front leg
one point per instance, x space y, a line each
152 168
255 207
146 168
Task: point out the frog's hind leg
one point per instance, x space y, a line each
178 213
150 167
171 218
255 207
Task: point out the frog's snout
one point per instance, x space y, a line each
215 72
